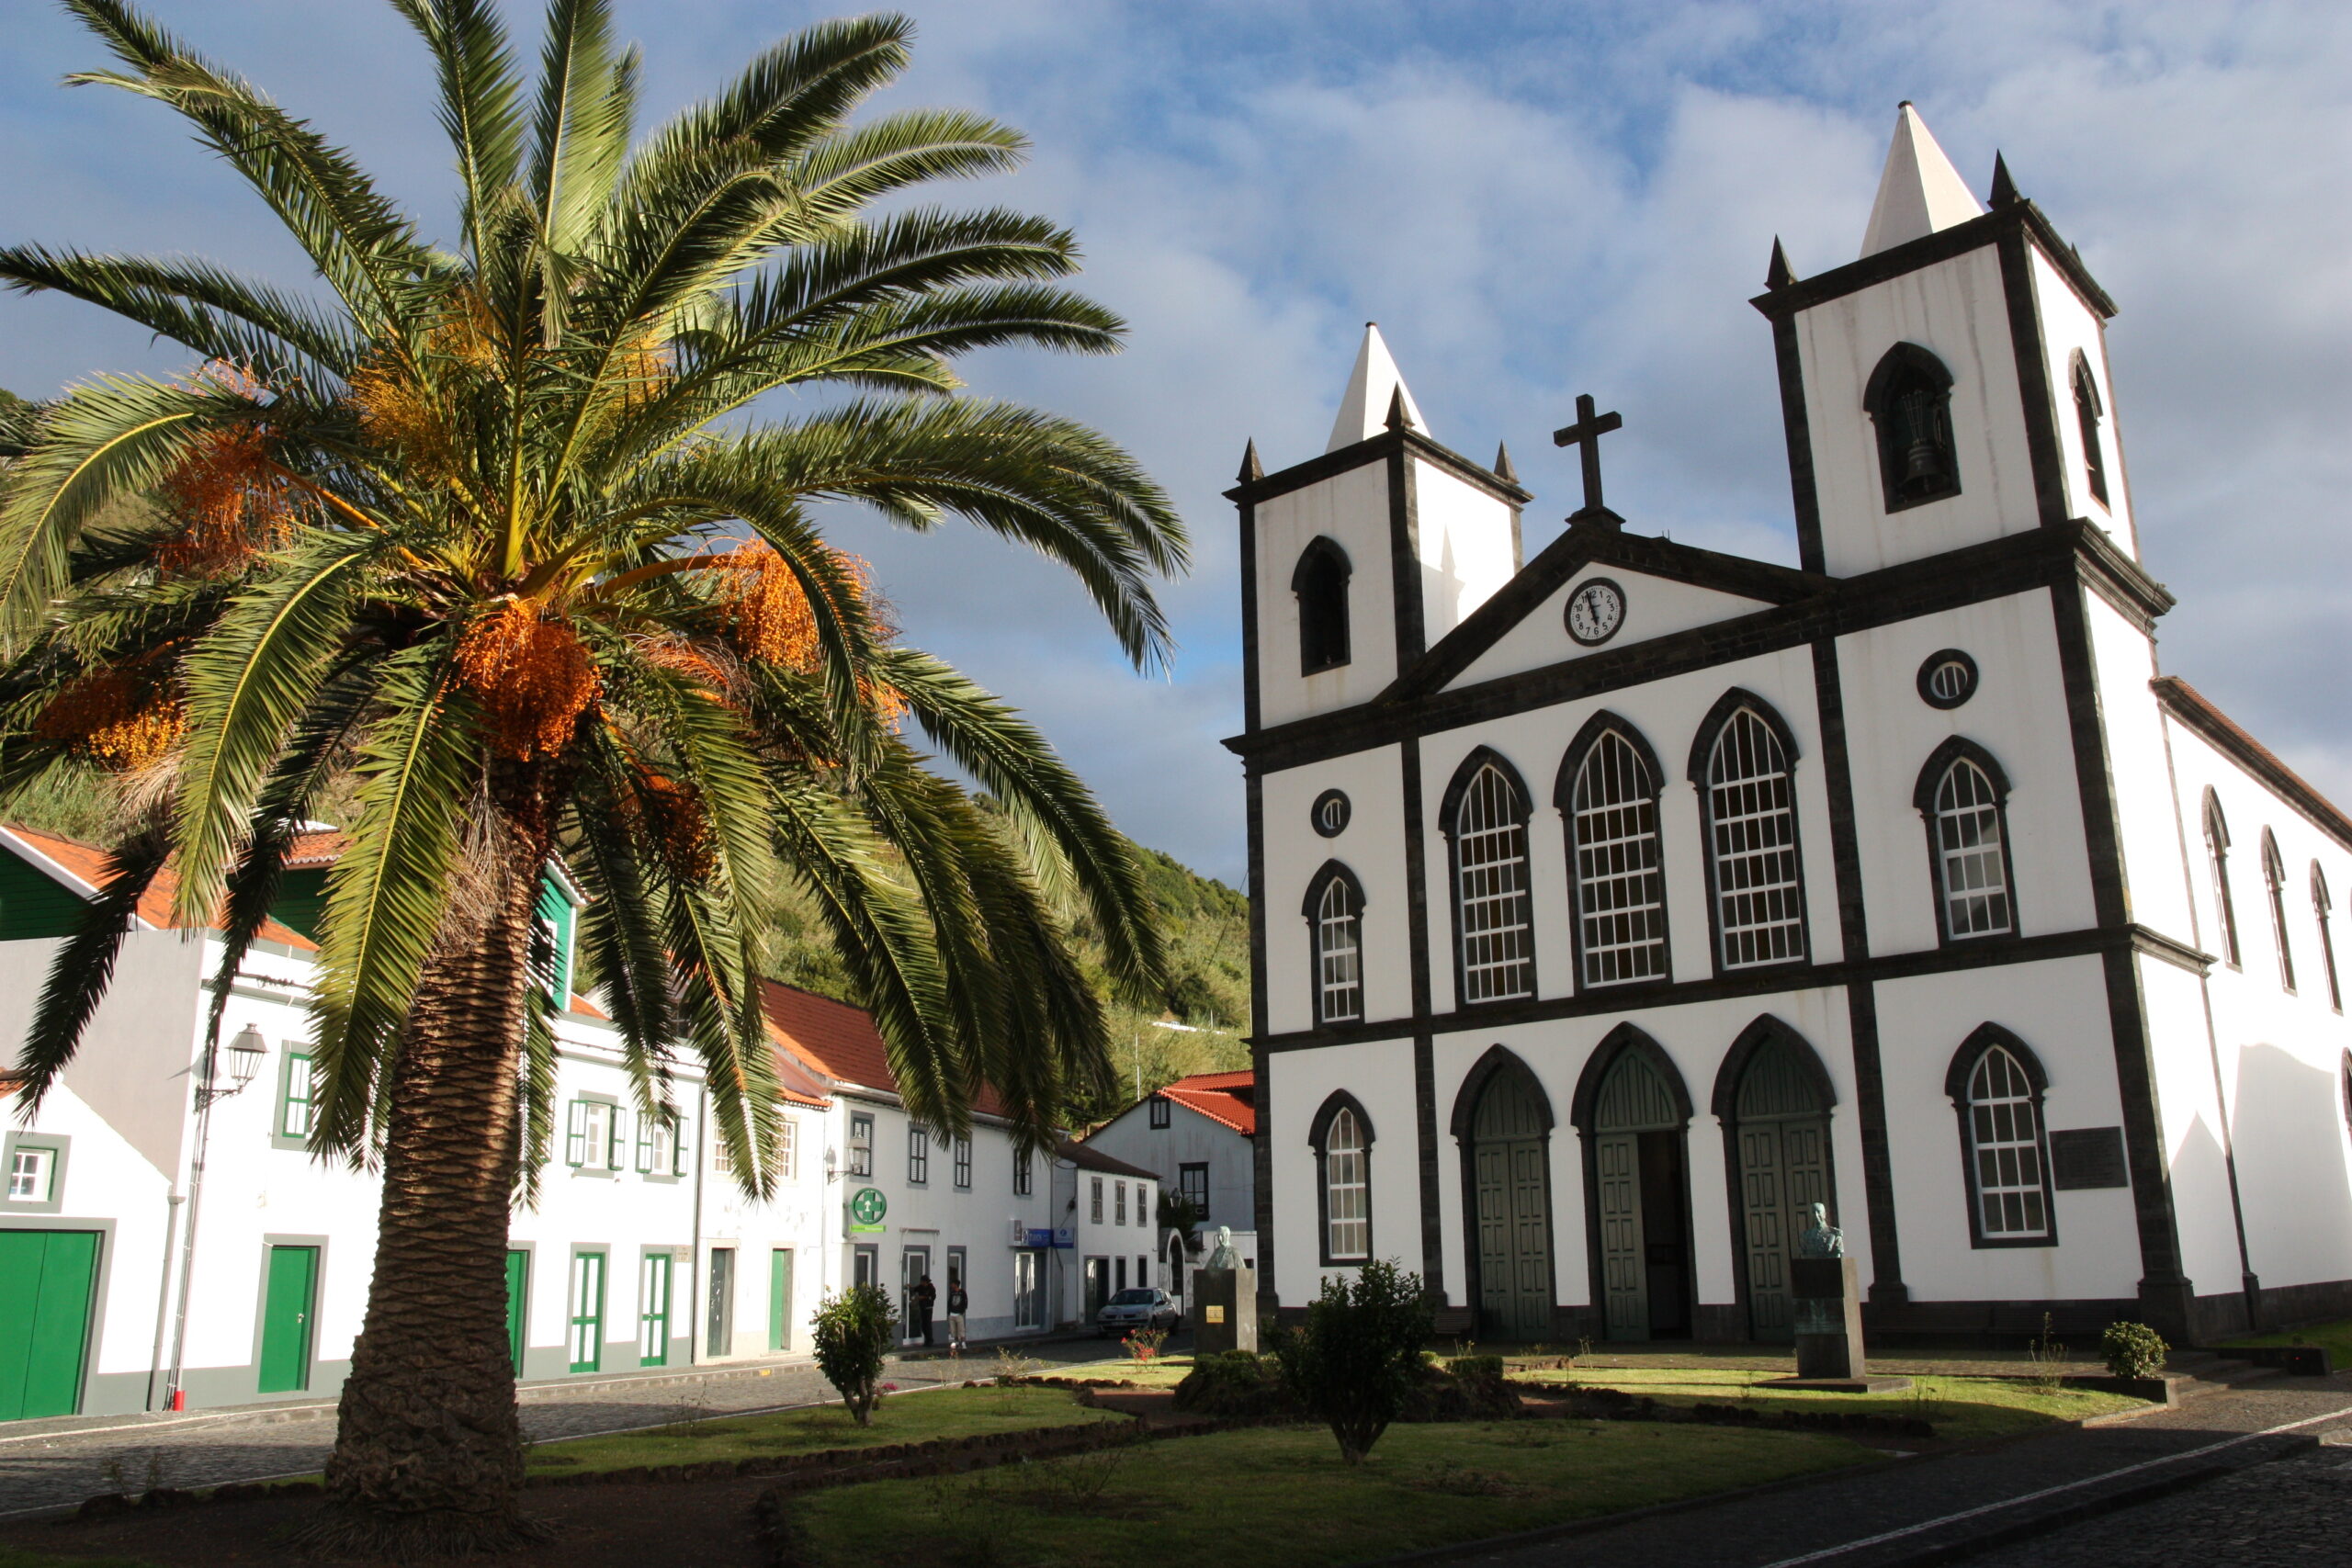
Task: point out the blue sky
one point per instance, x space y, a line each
1532 200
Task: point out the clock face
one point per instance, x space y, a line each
1595 612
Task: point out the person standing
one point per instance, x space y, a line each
925 1294
957 1300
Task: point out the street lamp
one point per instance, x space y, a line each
245 1053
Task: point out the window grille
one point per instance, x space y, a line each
1970 856
861 1145
1752 823
918 1154
1192 1184
963 1162
1338 954
1347 1209
787 1148
1159 1112
1621 890
2274 883
2005 1137
2217 851
1491 900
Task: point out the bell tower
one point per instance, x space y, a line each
1949 386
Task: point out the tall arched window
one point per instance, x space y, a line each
1335 921
1341 1138
1910 399
2323 908
1752 836
1320 582
2087 412
2274 884
1495 941
1998 1086
1615 864
2217 851
1964 796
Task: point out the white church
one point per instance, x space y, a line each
1612 907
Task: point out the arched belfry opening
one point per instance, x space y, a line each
1910 399
1635 1115
1321 580
1774 1097
1502 1118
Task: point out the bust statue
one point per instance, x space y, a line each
1222 1256
1824 1239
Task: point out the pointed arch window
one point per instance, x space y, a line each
1615 863
1321 580
1752 861
1963 794
2217 851
2088 413
2323 909
1996 1084
1495 940
1335 919
1909 401
1342 1138
2274 885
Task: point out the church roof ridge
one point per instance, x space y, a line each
1919 192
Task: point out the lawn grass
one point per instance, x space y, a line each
2335 1338
1961 1409
900 1418
1280 1496
1160 1371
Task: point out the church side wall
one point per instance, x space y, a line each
1380 1076
2155 879
1468 546
2196 1129
2068 327
1371 847
1351 510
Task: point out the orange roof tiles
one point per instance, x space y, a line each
90 866
1230 1099
837 1040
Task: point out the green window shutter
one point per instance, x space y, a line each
644 1143
556 909
616 1149
678 1148
575 1138
294 1118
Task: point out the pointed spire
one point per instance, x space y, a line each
1503 470
1919 192
1376 394
1780 275
1397 418
2005 189
1251 470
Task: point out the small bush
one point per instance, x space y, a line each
1358 1361
1236 1385
1475 1366
2133 1350
853 1333
1143 1344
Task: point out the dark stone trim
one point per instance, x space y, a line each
1322 547
1327 871
1630 1039
1564 800
1373 450
1405 558
1796 424
1318 1133
1425 1151
1448 807
1626 1037
1937 660
1923 797
2188 704
1725 1105
1997 569
1702 745
1498 1060
1981 1039
1907 355
1417 947
2041 443
1262 1163
1251 709
1987 953
2023 218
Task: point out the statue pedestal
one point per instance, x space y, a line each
1225 1311
1827 1296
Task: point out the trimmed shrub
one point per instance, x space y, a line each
1235 1385
2133 1350
1358 1361
853 1334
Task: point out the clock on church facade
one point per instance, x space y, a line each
1616 905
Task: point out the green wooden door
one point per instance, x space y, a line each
1633 1101
587 1336
653 1311
1511 1163
1784 1139
518 1296
288 1303
46 1281
780 1299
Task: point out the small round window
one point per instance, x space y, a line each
1330 813
1947 679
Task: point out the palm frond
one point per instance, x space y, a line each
579 133
480 97
273 336
84 967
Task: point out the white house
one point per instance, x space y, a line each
1614 906
1197 1137
1107 1209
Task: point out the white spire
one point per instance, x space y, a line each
1374 385
1920 192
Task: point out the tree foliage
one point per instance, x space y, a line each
1357 1358
852 1335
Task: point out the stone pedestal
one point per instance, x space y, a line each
1827 1296
1225 1311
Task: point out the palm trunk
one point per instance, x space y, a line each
428 1456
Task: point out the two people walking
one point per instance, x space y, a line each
923 1297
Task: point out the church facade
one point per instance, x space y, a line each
1612 907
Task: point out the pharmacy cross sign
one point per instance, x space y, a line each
868 1206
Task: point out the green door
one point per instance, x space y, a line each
1783 1138
653 1311
518 1293
45 1280
1511 1162
285 1319
780 1299
587 1311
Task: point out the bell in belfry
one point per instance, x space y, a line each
1925 471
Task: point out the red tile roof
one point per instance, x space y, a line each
1229 1099
2194 708
837 1042
90 866
1087 1159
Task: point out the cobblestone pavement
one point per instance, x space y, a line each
2289 1514
47 1470
1823 1523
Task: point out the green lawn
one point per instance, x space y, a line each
1961 1409
1280 1496
900 1418
1164 1372
2336 1336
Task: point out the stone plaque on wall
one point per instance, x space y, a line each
2088 1156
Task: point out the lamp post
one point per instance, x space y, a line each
245 1053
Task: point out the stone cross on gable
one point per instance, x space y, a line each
1587 432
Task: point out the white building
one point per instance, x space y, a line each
1614 906
1197 1137
1107 1207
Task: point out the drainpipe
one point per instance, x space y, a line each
175 1395
164 1291
694 1270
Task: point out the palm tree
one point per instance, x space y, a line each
485 538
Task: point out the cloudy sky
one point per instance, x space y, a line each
1533 200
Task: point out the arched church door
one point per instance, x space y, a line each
1781 1132
1641 1198
1509 1155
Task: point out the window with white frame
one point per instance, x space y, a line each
1621 881
1972 859
2274 883
1752 836
1491 909
861 1144
1338 954
1347 1188
964 1163
32 1174
2322 909
590 1141
787 1148
296 1110
2005 1149
918 1154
